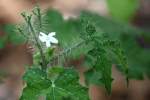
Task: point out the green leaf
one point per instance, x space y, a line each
100 73
67 87
30 93
53 72
36 84
36 77
89 61
123 10
93 77
48 54
104 66
115 47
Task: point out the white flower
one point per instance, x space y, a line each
48 39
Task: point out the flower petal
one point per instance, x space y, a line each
43 34
51 34
42 37
53 40
48 44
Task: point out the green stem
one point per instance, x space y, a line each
37 12
53 90
39 17
44 66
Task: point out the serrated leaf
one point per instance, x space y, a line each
100 73
104 66
30 93
35 76
36 84
67 87
114 46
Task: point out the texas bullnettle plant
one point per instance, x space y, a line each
56 42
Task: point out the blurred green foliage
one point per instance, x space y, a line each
10 36
123 10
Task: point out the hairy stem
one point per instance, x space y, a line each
44 66
37 12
